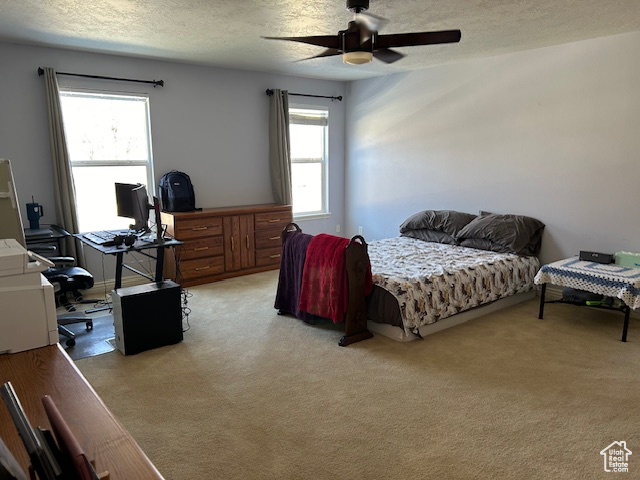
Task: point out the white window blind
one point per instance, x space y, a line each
308 130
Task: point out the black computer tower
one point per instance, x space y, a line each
147 316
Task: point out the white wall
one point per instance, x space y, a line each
552 133
208 122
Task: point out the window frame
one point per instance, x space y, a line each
323 161
148 164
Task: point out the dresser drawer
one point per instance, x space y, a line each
202 247
269 238
198 227
269 256
273 220
201 267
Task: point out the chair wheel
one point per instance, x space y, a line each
90 325
70 343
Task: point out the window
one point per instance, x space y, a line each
109 140
308 134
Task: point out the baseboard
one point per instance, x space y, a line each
99 289
552 292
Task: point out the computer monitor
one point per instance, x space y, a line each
132 202
141 208
124 199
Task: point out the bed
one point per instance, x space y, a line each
447 267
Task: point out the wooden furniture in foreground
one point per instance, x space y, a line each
49 371
357 265
225 242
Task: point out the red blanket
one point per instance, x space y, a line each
324 278
324 289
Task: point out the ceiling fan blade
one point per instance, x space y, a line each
417 38
372 22
327 53
328 41
387 55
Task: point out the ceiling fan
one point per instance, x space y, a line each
360 42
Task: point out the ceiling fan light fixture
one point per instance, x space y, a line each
357 57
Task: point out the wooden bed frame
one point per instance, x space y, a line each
357 265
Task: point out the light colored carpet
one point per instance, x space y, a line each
250 395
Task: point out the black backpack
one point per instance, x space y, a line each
176 192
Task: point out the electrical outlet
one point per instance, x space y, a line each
359 230
338 228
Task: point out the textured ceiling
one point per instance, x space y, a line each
228 33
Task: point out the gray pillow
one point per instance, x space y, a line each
430 236
447 221
484 244
505 233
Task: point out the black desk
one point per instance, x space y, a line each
46 240
141 246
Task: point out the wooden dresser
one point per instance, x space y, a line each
225 242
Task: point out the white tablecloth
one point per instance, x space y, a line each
606 279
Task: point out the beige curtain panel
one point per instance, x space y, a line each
64 190
279 147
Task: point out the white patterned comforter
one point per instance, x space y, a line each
432 281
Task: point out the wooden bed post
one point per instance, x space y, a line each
290 228
357 265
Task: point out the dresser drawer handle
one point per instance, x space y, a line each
195 229
199 249
274 220
274 238
197 269
274 256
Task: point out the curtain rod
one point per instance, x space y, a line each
339 98
155 83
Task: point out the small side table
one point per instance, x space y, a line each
610 280
46 241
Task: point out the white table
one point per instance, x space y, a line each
610 280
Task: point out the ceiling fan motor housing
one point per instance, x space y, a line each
357 6
356 38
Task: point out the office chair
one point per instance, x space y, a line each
71 279
67 278
69 318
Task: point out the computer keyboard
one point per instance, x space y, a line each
104 238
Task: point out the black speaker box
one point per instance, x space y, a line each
147 316
596 257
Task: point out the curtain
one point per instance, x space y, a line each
279 147
64 191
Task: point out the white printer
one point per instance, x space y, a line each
28 318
